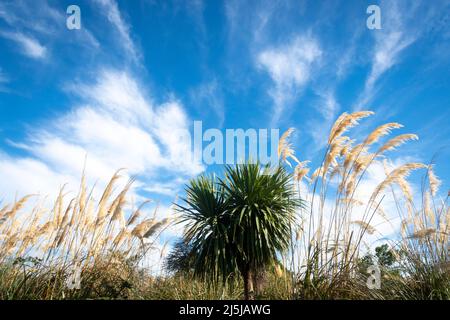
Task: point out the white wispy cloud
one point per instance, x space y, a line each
390 42
170 188
115 126
115 92
319 127
31 20
32 16
4 81
114 16
29 46
329 107
3 77
255 25
27 175
208 96
289 67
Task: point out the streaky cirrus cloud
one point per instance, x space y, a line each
44 21
396 35
114 16
4 79
114 126
29 46
209 96
289 67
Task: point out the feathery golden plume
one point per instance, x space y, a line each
82 197
447 215
382 214
420 234
386 167
345 149
301 173
15 208
61 237
317 173
409 209
141 228
418 222
355 152
397 141
337 170
3 210
124 233
136 214
303 164
427 209
346 121
89 215
443 230
155 227
334 151
362 162
352 201
282 143
285 150
301 170
58 207
102 210
118 204
47 228
76 213
338 123
349 188
434 181
37 213
406 188
15 225
382 130
395 175
364 225
65 218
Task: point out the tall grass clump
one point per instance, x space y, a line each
104 241
424 255
332 237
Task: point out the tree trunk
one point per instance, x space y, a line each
259 279
248 284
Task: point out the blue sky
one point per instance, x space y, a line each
117 89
